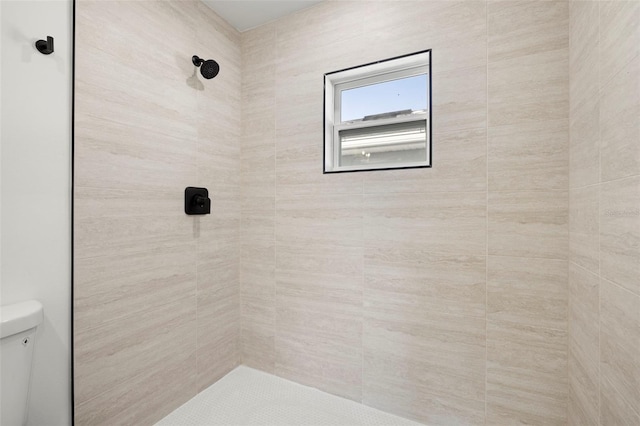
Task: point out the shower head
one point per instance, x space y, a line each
208 68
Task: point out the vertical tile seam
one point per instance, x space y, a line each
486 257
241 197
362 293
275 198
363 263
362 290
197 386
569 190
239 349
599 386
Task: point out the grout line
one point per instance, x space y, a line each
568 286
362 295
604 182
598 94
632 294
577 188
275 201
577 265
240 348
486 264
197 241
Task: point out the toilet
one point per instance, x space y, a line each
18 323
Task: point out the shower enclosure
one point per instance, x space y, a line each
498 286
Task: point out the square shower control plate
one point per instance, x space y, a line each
196 201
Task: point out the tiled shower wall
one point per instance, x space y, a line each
437 294
604 270
156 300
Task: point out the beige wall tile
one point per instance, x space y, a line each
414 247
584 86
322 219
519 28
257 345
140 349
258 46
217 357
211 27
258 169
459 99
605 132
258 218
328 369
218 164
619 36
106 158
112 287
584 53
526 374
319 293
96 237
299 105
121 25
620 233
583 400
451 223
456 31
619 124
322 258
527 291
299 172
320 234
109 355
218 316
322 293
584 227
614 409
459 164
258 304
318 320
409 281
584 151
529 156
584 316
257 270
519 93
143 399
528 224
258 284
95 203
428 367
114 102
315 27
620 342
584 343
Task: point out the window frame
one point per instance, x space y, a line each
335 82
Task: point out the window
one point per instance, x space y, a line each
378 116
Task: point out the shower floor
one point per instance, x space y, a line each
250 397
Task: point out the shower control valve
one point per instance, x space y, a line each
196 201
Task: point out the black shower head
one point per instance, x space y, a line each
208 68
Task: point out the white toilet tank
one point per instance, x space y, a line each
18 324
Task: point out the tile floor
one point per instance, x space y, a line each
250 397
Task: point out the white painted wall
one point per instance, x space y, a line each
36 190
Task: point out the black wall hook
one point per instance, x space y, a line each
45 47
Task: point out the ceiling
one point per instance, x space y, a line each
247 14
